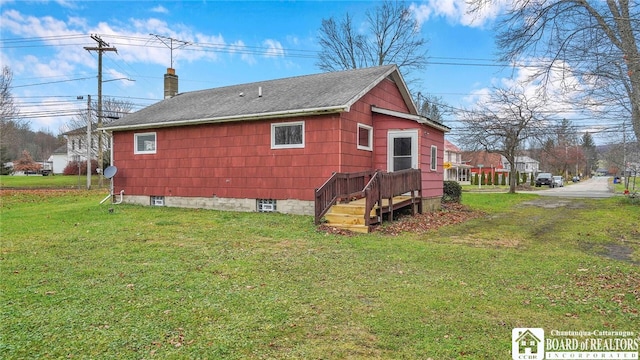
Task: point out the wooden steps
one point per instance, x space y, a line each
349 217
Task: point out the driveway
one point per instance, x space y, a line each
597 187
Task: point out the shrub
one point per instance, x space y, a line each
452 192
75 167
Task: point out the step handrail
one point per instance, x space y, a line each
339 186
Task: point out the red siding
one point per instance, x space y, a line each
432 181
235 159
232 160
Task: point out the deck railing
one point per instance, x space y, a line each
339 186
386 186
374 186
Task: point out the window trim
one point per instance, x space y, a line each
369 146
415 148
434 159
135 143
286 146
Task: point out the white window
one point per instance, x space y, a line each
403 150
287 135
434 157
145 143
365 137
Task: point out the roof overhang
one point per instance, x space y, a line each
416 118
244 117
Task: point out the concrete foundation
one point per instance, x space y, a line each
290 206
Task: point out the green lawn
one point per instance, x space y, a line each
83 280
49 182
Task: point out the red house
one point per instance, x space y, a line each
268 146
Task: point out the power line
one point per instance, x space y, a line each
53 82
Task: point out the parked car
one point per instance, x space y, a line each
558 181
544 179
575 179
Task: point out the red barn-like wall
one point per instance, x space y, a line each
235 159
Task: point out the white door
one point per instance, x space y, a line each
402 150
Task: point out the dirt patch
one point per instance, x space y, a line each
554 203
484 242
613 251
619 252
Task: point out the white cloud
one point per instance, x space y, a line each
458 11
562 90
160 9
274 48
239 47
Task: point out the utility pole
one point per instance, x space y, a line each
102 47
88 142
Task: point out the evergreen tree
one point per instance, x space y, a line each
4 159
590 154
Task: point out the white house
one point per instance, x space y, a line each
59 159
524 164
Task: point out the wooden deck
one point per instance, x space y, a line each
361 199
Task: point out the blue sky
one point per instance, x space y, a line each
231 42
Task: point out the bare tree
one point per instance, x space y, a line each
393 38
595 41
8 110
10 123
432 107
111 109
503 123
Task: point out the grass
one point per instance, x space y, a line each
156 282
49 182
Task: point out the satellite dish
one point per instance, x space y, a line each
110 172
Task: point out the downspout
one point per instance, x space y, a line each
340 142
111 160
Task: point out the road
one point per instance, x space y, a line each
597 187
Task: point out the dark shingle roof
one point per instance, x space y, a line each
326 92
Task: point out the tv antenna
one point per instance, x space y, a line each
169 42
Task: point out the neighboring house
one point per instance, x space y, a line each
269 145
492 163
524 165
59 159
454 168
484 162
77 143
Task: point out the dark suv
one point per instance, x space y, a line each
544 179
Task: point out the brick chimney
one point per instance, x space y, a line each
170 83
